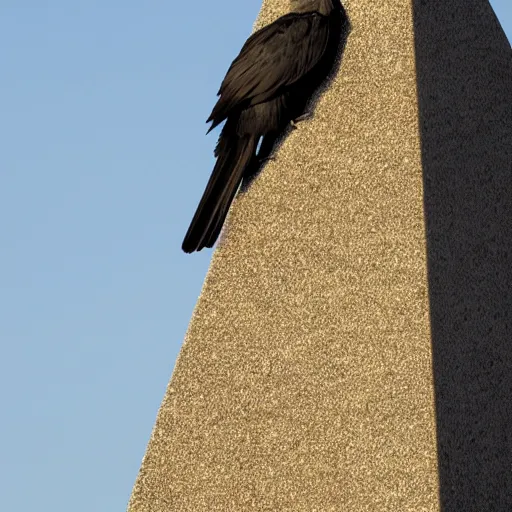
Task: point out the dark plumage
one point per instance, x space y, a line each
267 86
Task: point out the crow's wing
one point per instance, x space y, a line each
274 57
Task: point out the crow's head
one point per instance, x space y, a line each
324 7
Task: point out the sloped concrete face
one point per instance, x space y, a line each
464 68
306 379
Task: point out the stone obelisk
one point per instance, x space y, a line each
350 350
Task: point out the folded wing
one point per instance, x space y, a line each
272 59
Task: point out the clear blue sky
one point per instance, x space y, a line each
103 159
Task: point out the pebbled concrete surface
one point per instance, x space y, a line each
306 380
464 69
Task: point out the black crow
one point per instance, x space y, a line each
267 87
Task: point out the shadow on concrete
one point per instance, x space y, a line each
325 77
464 71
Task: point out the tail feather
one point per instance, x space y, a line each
234 155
